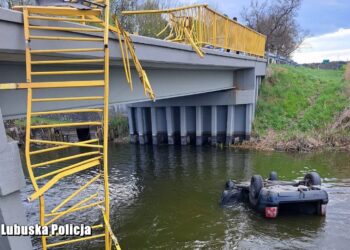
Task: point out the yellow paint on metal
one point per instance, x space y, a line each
65 84
75 144
66 168
65 29
75 240
47 51
7 86
67 111
46 163
91 205
72 209
207 27
59 176
58 11
71 124
66 38
67 72
46 150
113 237
62 19
75 193
96 160
67 61
133 12
63 99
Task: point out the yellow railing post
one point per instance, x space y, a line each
105 121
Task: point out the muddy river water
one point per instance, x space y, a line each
168 198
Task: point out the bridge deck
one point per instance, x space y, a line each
174 69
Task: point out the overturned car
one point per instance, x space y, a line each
272 196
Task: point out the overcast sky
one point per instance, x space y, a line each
328 22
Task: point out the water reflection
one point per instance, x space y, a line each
167 198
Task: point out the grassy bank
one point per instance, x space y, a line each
302 109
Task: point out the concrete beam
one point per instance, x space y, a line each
132 132
218 98
146 128
199 125
230 127
154 126
214 124
248 121
183 125
140 125
170 124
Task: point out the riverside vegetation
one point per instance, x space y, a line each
118 127
302 109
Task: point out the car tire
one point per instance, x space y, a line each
256 184
229 185
273 176
312 179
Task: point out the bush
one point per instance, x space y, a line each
119 125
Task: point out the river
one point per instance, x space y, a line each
167 197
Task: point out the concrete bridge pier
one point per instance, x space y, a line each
170 125
214 124
249 120
230 127
196 125
199 125
154 126
140 125
11 181
132 130
183 129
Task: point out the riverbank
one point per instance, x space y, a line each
302 109
118 128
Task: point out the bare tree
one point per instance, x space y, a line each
276 20
146 25
117 6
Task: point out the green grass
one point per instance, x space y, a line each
300 99
38 120
120 125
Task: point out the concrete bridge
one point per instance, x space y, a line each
211 98
199 100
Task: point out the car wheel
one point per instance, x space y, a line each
256 184
229 185
273 176
312 179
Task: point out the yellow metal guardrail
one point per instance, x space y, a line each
199 25
93 157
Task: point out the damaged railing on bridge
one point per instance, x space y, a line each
199 26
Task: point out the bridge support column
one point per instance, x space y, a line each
133 137
140 125
170 124
183 125
11 181
154 125
230 127
199 125
214 124
248 121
